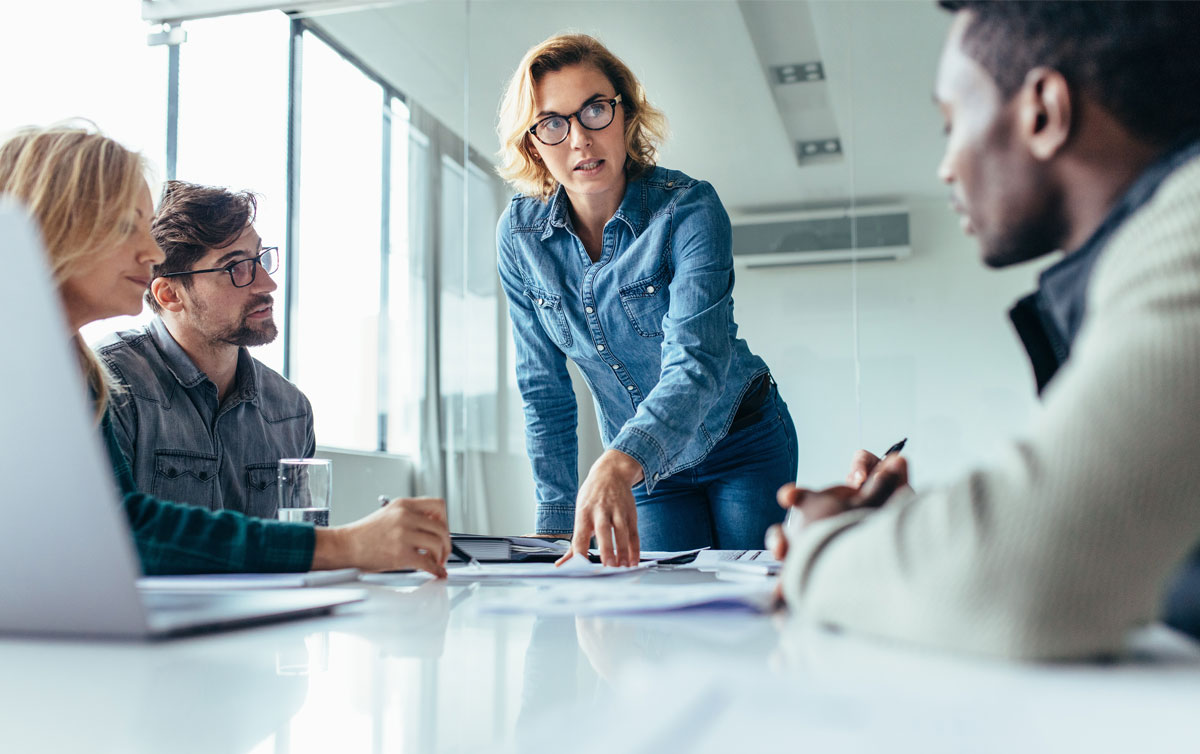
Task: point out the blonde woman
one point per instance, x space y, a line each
90 199
626 268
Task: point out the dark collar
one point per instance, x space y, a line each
1049 319
188 374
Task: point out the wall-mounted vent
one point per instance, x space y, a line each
820 237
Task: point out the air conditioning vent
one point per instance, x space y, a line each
822 237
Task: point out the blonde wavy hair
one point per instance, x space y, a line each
645 125
79 185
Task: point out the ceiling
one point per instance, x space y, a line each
704 63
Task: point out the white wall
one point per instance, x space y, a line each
940 363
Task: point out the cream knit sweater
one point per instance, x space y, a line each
1065 541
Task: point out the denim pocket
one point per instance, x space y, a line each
185 476
551 315
262 489
646 303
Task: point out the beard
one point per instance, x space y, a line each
246 333
1027 237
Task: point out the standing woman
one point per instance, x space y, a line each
627 269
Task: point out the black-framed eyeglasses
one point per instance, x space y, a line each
594 116
243 271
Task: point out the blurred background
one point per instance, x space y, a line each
367 128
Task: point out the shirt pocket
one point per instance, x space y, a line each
262 489
185 476
551 314
646 303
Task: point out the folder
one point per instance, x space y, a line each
489 549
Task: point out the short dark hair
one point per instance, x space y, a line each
1136 59
192 219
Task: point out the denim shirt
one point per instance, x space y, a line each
650 326
184 446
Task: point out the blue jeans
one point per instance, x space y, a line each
728 500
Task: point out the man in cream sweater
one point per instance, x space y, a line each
1070 126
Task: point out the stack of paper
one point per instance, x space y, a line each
744 561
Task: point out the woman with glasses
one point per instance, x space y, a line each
626 269
89 197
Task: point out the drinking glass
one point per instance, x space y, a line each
305 488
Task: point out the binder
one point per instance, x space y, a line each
488 549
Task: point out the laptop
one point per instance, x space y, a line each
67 556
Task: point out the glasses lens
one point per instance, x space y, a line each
243 272
596 115
552 130
269 260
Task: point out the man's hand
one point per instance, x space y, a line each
605 507
863 463
405 533
881 480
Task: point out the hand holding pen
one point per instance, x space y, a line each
458 551
864 463
871 482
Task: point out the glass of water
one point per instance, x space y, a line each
305 488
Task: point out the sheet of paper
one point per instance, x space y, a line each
575 568
715 557
621 597
209 581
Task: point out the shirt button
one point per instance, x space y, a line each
616 366
630 388
670 184
589 310
541 302
649 289
655 476
600 347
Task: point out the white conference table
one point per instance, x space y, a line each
416 668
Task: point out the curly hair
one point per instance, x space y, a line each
1132 58
645 125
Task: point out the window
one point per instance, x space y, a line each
468 313
233 109
408 207
50 76
335 351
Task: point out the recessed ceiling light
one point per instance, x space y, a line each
817 148
798 73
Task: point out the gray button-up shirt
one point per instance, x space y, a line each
186 447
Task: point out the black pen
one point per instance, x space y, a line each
459 552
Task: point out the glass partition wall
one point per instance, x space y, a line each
811 120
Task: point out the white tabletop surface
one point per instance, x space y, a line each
418 669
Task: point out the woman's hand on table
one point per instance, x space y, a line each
605 507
